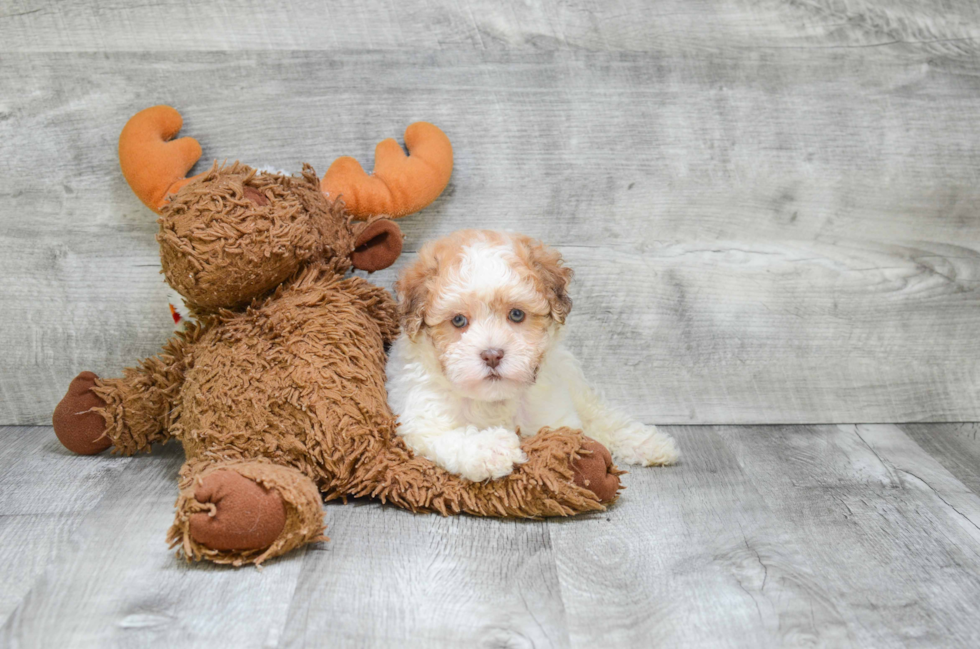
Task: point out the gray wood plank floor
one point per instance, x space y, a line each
765 536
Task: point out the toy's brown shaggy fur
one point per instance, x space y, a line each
281 383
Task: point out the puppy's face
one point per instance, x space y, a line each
490 304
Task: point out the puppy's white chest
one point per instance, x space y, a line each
486 414
546 403
543 405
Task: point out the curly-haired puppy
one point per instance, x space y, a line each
480 360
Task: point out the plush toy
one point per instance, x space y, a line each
276 387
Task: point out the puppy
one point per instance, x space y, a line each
480 361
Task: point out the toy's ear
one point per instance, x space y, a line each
400 184
376 245
153 165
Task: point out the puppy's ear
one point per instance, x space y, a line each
552 276
412 289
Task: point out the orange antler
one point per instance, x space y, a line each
400 184
154 166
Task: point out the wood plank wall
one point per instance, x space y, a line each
771 206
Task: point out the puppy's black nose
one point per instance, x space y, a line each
492 357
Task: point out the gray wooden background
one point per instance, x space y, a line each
771 205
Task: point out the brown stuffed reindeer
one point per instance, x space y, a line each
277 391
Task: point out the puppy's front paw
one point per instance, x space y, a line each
647 446
491 454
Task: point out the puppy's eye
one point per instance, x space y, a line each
516 315
459 321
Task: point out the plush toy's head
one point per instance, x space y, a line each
232 233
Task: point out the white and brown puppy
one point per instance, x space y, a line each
480 361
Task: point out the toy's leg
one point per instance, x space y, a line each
128 413
244 511
566 473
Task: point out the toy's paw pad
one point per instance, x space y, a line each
78 428
596 472
244 515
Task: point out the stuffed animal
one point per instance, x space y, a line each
276 388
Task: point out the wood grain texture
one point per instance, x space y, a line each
872 485
114 583
765 536
391 578
955 446
709 563
948 28
788 237
45 493
780 536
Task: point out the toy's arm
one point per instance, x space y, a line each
400 184
128 413
565 473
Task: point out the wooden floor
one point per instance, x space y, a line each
864 536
